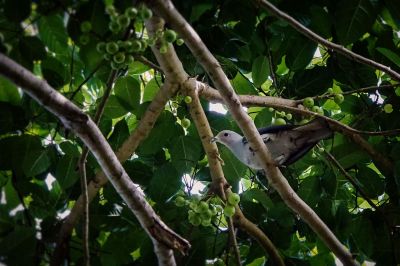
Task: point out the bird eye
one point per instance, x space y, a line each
226 134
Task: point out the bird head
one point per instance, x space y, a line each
227 137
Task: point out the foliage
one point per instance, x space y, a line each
76 45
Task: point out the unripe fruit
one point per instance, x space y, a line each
206 222
86 26
123 21
233 199
101 47
388 108
151 42
84 39
179 42
280 122
169 36
119 58
229 210
317 110
270 109
188 99
110 10
112 47
115 66
136 46
185 123
163 49
289 116
114 27
107 57
131 12
195 220
180 201
330 90
145 13
338 98
308 102
202 207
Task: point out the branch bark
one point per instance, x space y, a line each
318 39
219 183
166 10
163 238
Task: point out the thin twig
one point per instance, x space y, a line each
318 39
233 241
147 62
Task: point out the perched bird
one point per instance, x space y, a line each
286 143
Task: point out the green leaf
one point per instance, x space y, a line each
139 172
234 169
21 238
242 85
152 88
53 34
32 48
164 131
55 72
258 195
390 55
165 183
67 171
312 82
9 92
263 118
300 53
310 190
356 17
12 118
114 108
371 183
119 135
25 153
127 90
185 152
260 70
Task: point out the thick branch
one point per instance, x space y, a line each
318 39
164 238
213 95
219 183
166 10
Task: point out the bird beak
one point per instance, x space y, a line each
213 139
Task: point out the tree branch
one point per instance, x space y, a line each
219 183
166 10
164 239
318 39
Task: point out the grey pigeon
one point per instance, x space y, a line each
286 143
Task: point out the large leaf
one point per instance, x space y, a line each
185 152
114 108
300 53
260 70
165 183
356 17
67 171
24 153
9 92
242 85
392 56
21 238
371 183
234 169
127 89
11 118
53 33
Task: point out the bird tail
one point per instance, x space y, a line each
316 130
